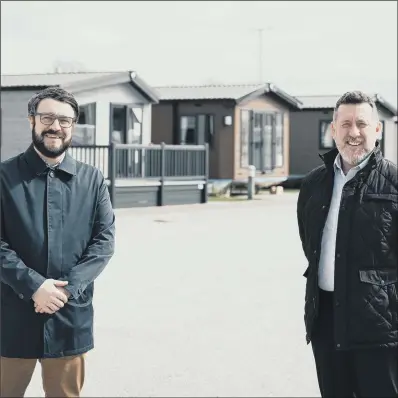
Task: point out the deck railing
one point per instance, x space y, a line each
154 162
160 161
95 155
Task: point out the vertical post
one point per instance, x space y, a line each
1 131
162 173
260 53
251 182
1 201
94 148
1 194
207 166
112 173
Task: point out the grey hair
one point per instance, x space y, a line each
355 97
56 93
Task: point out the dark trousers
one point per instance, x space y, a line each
354 373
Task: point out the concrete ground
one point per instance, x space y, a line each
202 301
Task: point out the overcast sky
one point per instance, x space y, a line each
307 47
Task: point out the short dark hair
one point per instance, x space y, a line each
56 93
354 97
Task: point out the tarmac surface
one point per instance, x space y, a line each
202 301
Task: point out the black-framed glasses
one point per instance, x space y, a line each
48 119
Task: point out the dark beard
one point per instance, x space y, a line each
52 153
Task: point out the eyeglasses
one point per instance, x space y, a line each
48 119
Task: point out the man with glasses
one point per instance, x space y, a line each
57 236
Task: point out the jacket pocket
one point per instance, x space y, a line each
378 277
373 307
85 298
381 211
387 202
379 292
386 197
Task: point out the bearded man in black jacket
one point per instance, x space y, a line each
347 218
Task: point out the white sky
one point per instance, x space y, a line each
308 47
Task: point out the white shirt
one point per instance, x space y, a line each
328 244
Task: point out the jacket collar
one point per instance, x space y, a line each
38 166
329 157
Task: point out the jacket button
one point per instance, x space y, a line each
20 296
382 282
338 255
51 174
338 345
337 303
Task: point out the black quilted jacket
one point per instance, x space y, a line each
365 296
